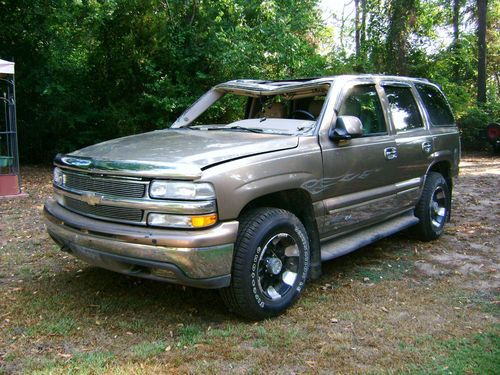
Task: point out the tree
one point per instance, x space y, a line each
402 18
456 20
357 28
481 43
93 70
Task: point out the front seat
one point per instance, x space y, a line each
275 110
315 107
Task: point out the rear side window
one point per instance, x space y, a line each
437 107
404 110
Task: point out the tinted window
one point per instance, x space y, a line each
404 110
436 105
364 103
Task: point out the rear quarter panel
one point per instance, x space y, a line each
446 147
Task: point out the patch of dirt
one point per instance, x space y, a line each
379 309
470 245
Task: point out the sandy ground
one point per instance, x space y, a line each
471 241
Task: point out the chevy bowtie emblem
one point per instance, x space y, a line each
91 198
76 162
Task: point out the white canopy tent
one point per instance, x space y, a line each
6 67
10 178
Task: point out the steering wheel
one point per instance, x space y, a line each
305 113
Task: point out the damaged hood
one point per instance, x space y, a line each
179 153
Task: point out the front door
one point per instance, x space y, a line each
359 174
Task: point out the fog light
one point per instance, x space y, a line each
181 221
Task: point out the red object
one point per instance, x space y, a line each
493 131
9 185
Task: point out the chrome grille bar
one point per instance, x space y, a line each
102 211
108 186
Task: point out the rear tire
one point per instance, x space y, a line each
270 265
433 208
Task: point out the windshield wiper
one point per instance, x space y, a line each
237 127
190 126
304 129
253 130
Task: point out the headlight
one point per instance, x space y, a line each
181 190
58 177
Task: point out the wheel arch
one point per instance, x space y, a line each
442 167
299 203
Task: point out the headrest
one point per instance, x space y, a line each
276 110
315 107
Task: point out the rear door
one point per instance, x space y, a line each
414 145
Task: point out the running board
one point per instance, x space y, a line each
353 241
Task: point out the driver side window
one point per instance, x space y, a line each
363 102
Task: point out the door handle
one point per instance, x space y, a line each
391 153
427 146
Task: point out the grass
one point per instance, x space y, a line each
189 335
148 349
61 327
276 337
373 311
479 354
85 363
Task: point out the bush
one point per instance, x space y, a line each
472 125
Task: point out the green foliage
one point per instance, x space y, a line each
472 126
473 122
93 70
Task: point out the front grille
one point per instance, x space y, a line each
108 212
108 186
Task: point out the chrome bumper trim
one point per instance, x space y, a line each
199 254
221 233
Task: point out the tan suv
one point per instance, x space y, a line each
302 171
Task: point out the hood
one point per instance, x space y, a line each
194 149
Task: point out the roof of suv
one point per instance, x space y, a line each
271 87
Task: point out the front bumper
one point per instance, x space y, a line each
200 258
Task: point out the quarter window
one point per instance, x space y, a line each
363 102
437 107
404 110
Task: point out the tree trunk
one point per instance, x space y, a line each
456 21
362 38
481 44
342 27
455 46
356 27
402 19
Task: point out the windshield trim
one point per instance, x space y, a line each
250 88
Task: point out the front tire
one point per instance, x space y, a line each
433 208
270 265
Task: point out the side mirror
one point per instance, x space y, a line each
346 127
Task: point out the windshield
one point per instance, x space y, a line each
284 113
